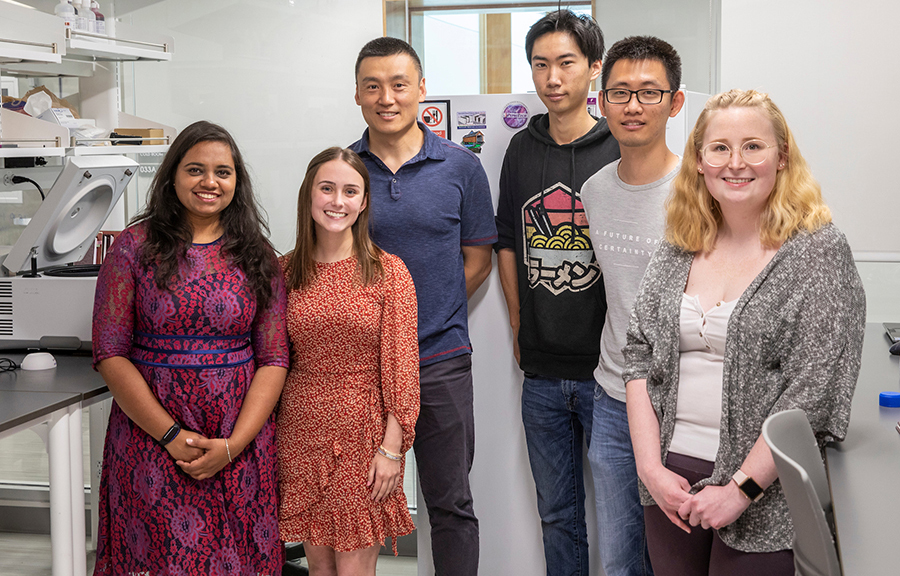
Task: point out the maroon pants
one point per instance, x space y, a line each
673 552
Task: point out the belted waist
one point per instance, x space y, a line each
186 351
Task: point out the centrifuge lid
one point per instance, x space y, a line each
65 225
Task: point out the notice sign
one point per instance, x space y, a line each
435 115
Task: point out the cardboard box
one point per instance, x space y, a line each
142 133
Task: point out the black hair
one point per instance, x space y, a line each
644 48
387 46
169 232
583 29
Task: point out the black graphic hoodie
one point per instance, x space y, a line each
561 300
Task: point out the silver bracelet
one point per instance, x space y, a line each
229 451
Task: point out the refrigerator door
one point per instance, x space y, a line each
501 479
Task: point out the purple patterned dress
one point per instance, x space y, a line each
198 347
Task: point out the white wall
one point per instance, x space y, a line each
831 67
278 75
688 25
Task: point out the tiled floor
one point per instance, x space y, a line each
29 555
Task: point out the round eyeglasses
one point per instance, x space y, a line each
623 95
718 154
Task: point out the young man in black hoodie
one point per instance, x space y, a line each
550 278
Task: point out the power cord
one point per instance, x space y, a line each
7 365
74 271
21 179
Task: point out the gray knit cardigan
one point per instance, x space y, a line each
794 340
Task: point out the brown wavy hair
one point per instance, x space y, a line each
693 216
300 267
169 233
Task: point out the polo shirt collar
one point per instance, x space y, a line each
432 147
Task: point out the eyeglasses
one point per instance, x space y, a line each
623 95
718 154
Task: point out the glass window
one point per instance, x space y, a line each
520 23
451 40
451 55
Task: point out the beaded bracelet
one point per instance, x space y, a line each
389 455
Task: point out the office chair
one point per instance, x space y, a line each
802 475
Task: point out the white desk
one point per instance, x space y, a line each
52 400
864 470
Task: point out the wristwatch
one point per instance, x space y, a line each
748 486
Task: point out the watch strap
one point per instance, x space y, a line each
169 435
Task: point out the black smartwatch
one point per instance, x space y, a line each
170 435
748 486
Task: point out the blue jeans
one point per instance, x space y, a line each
620 516
557 415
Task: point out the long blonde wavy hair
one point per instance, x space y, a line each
693 216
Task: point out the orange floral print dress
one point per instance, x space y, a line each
354 359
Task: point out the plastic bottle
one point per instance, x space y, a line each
84 18
65 11
78 23
101 20
90 19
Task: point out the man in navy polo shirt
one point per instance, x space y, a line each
431 206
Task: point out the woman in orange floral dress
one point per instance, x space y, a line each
350 403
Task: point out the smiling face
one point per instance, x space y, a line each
738 184
388 89
634 124
561 72
338 197
205 181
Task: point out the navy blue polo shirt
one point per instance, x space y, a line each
437 202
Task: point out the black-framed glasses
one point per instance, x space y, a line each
718 154
623 95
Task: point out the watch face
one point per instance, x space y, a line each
751 489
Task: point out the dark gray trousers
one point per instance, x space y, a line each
444 449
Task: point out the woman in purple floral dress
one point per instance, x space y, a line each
189 335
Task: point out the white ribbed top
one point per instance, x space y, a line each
702 351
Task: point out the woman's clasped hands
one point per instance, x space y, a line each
711 507
198 456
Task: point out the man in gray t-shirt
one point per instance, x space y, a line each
624 205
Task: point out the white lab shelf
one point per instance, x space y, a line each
30 36
36 43
104 150
67 67
49 151
129 44
32 137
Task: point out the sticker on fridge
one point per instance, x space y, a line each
473 120
435 114
515 115
474 141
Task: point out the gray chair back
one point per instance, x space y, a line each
802 475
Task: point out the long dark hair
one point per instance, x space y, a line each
169 233
301 267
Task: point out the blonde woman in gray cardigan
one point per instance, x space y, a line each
751 306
